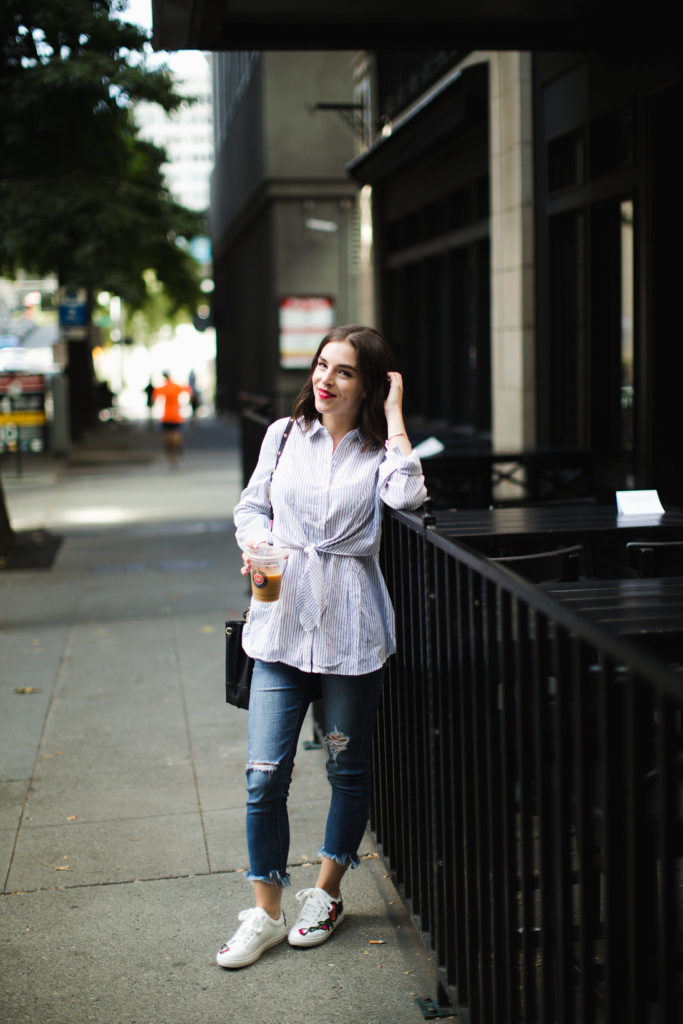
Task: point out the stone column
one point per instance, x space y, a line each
512 252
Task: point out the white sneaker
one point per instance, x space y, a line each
318 918
257 933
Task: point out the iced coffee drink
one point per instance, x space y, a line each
267 566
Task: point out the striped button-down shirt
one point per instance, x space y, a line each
334 614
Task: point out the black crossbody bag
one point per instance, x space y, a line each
238 665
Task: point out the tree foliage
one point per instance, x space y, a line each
80 193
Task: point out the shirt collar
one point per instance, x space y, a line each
317 427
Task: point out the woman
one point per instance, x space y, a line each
332 629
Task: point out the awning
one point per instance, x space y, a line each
450 109
216 25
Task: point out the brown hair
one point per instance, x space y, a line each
374 360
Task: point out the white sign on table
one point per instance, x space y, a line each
639 503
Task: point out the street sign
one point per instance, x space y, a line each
22 411
73 312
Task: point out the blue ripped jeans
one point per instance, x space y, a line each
280 696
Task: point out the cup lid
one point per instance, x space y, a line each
267 551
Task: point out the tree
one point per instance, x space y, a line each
80 193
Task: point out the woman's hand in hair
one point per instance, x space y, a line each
393 410
394 399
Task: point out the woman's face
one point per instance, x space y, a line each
337 386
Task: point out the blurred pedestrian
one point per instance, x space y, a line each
104 399
172 418
195 397
332 629
149 392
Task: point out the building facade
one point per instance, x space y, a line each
526 226
187 136
508 218
283 217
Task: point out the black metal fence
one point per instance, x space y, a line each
527 795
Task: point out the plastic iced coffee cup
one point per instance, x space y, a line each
267 566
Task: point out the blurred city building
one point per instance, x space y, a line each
283 217
187 136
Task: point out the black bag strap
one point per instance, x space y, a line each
283 442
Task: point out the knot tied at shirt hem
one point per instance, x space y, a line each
311 588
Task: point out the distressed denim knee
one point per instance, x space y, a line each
267 785
267 790
350 706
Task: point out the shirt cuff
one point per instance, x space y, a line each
396 462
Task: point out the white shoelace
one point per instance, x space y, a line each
253 921
316 906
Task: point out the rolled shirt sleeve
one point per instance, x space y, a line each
401 481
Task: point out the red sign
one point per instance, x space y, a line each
21 383
303 324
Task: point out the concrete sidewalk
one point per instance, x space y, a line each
122 770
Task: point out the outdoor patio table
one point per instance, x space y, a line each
626 606
648 611
604 533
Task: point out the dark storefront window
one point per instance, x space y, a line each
439 310
587 218
591 316
430 186
627 427
567 353
611 142
566 161
437 292
612 352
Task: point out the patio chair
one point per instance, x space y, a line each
655 558
562 565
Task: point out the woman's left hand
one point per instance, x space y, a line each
394 400
246 567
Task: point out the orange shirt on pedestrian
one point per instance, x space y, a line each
171 392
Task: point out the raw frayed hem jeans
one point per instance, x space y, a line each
280 696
